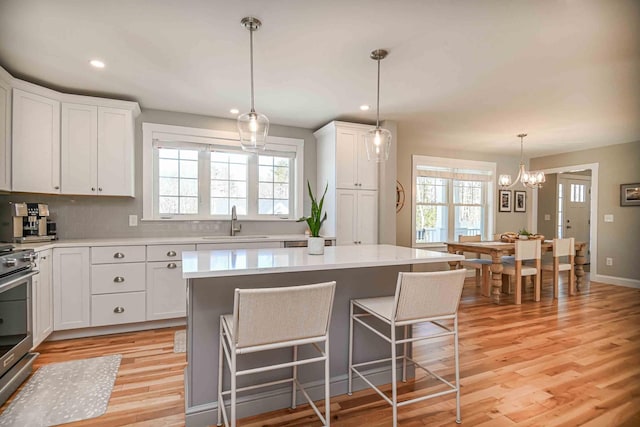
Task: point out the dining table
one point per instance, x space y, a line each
497 249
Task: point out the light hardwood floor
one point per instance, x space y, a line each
573 361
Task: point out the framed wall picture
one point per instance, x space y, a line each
630 194
520 204
504 200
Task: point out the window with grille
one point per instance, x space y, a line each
451 198
196 177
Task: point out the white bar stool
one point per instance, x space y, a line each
420 297
271 318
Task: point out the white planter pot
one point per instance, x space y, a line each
315 246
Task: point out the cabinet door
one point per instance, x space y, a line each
367 220
346 214
166 290
5 136
346 158
367 169
79 145
71 288
42 298
115 152
36 143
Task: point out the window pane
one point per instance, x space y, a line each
168 186
188 205
280 191
431 190
281 207
281 174
265 160
229 172
265 190
220 206
468 221
238 158
238 189
188 169
240 204
168 153
189 154
168 168
266 174
431 223
189 187
219 170
219 157
168 205
219 188
237 172
281 161
467 192
265 206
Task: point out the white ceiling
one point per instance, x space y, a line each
465 75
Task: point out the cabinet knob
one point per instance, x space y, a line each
93 188
99 188
118 279
57 187
118 255
171 253
172 265
118 310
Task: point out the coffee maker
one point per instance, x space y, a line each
24 222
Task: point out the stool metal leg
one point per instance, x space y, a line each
350 382
394 385
295 378
220 375
457 362
404 354
233 388
327 385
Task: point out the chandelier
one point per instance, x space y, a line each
528 179
253 127
378 140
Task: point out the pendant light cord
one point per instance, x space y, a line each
251 30
378 100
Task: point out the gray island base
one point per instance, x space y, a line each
362 272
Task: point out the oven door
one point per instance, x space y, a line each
16 336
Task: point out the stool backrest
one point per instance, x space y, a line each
527 249
274 315
476 238
426 295
564 247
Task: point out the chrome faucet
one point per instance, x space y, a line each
235 227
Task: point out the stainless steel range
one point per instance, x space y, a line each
16 339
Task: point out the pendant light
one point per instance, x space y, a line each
528 179
378 140
253 127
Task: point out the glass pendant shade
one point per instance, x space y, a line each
253 129
378 142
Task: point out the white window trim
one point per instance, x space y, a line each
417 159
154 131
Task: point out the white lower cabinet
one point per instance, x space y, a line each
356 217
42 299
71 288
166 290
118 308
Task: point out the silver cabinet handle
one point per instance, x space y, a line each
171 253
10 262
118 255
118 279
172 265
118 310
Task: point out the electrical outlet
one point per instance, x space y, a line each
133 220
547 217
608 218
609 262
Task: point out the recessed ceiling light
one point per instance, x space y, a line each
364 107
234 111
96 63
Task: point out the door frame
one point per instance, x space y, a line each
532 218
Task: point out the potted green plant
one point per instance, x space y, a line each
315 245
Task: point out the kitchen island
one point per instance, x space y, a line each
360 272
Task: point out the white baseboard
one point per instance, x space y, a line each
619 281
115 329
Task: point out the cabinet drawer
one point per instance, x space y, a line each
117 254
113 309
112 278
167 252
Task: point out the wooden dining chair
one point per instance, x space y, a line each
525 250
562 248
479 264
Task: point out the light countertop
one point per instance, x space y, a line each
129 241
238 262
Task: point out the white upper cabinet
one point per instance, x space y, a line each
97 150
353 169
35 143
5 134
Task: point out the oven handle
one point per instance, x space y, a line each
17 281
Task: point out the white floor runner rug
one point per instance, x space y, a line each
64 392
180 342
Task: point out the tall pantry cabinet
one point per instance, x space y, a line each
351 202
